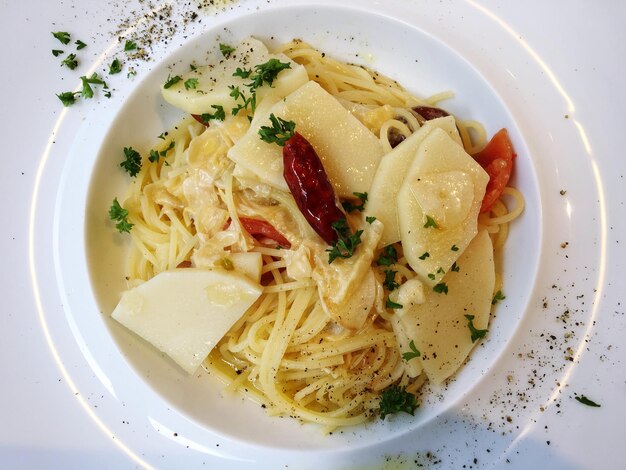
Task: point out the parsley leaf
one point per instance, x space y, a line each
119 214
430 222
219 114
193 67
242 73
431 276
391 304
191 83
280 132
226 50
87 91
132 163
388 257
346 244
407 356
62 36
70 62
130 45
395 399
441 288
370 219
80 45
171 81
476 333
454 248
454 267
390 280
162 135
425 255
586 401
349 207
498 297
56 52
68 98
115 67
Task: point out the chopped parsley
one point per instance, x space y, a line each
476 334
162 135
430 222
346 244
425 255
441 288
130 45
226 50
70 62
68 98
370 219
191 83
87 91
407 356
119 214
62 36
154 155
56 52
390 280
586 401
454 267
193 67
431 276
219 114
349 207
395 399
454 248
388 257
391 304
497 297
280 131
250 101
80 45
171 81
132 162
115 67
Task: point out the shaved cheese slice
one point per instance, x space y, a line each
213 81
185 312
391 172
438 326
349 151
438 205
343 285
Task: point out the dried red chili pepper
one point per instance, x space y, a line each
265 229
309 185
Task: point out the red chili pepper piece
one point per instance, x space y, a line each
265 229
309 185
198 118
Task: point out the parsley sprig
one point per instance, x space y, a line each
395 399
218 115
132 161
70 61
346 244
390 280
68 98
87 91
120 215
279 132
476 334
350 207
413 353
226 50
262 74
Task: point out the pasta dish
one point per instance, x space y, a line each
313 233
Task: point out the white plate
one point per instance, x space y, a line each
518 391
